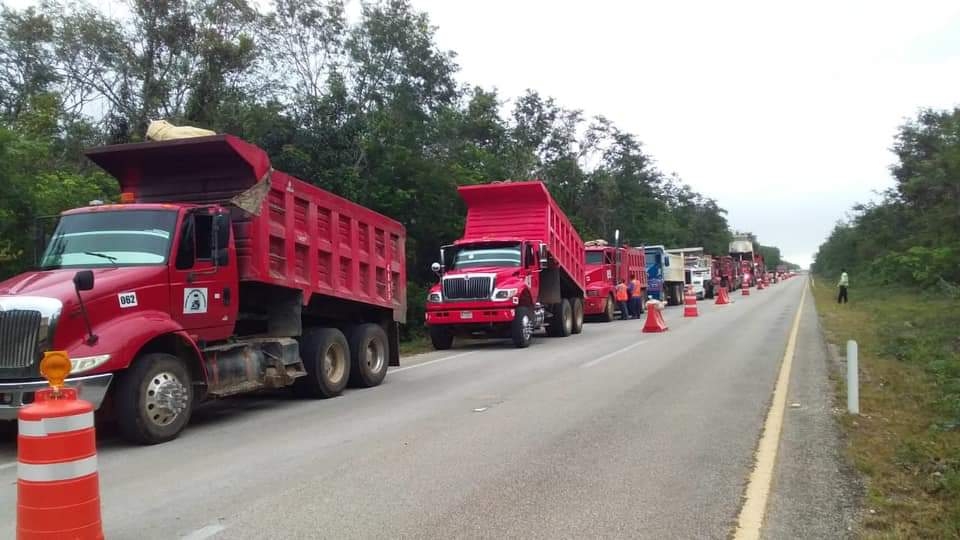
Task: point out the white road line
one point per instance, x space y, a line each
205 532
445 358
607 356
758 490
10 465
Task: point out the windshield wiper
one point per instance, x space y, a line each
113 260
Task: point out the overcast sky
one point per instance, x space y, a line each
782 112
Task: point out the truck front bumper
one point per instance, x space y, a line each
14 395
593 305
468 316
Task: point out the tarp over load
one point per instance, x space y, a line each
161 130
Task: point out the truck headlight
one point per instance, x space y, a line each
86 363
500 295
434 297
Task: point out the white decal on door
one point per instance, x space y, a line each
127 300
195 301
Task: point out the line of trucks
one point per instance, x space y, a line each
217 275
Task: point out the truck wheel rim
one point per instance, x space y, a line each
334 364
166 398
568 321
527 327
375 356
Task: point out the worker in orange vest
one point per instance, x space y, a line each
622 298
636 300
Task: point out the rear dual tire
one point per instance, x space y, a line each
562 323
369 355
326 357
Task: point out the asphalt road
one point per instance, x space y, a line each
609 434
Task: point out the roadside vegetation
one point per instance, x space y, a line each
903 257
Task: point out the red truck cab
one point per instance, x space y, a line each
605 265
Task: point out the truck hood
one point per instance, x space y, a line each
596 275
59 283
499 272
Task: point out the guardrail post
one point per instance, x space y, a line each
853 379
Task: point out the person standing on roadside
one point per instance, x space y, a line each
636 300
843 284
622 297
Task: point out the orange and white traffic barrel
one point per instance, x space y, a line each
58 488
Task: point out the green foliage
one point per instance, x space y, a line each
912 235
368 108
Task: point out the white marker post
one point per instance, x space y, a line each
853 379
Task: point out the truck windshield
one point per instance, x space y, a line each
487 256
594 257
123 238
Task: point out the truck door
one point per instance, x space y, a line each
531 263
203 281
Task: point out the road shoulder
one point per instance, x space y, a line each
815 492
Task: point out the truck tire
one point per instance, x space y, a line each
326 357
562 323
577 326
609 310
674 296
369 355
521 329
154 399
441 338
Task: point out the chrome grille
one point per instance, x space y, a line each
19 338
471 288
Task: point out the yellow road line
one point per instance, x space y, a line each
758 490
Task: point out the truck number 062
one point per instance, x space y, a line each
127 300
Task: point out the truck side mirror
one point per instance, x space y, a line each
83 280
435 267
542 252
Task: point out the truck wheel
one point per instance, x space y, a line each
608 310
368 354
154 399
562 323
326 357
673 298
441 338
577 326
521 329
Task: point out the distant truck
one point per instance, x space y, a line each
729 273
216 275
741 250
664 275
697 270
518 267
605 264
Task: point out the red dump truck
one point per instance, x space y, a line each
517 268
217 275
605 265
730 272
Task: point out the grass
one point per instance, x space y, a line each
906 442
416 345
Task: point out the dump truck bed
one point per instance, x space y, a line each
524 211
297 235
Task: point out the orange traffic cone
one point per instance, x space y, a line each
744 288
655 322
722 298
58 488
690 304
